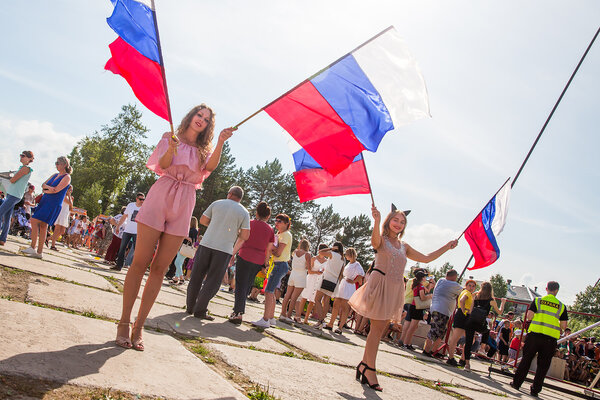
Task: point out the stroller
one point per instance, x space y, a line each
20 224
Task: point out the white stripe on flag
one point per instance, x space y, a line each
394 73
502 200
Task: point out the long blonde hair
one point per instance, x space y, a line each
204 139
388 219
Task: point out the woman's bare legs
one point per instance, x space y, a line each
345 310
311 304
414 324
299 308
145 243
334 313
42 236
35 227
58 231
286 301
371 347
456 334
168 246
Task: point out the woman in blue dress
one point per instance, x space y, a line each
49 207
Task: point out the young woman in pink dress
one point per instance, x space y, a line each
182 163
381 299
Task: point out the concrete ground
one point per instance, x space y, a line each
58 322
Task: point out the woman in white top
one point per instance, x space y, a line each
313 283
331 276
62 222
297 281
353 273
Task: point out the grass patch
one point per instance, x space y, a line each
259 392
289 354
200 350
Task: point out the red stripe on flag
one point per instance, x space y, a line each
143 75
315 183
311 121
483 250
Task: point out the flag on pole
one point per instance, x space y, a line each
481 234
313 182
135 53
351 105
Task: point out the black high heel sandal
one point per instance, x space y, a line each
358 373
374 386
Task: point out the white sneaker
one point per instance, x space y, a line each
28 251
285 319
273 322
37 255
261 323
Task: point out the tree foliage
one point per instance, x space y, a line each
325 224
499 285
441 272
109 159
587 301
356 232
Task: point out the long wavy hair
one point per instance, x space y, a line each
204 139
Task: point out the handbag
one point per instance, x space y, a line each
330 285
422 304
187 251
477 319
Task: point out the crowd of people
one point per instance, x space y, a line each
157 232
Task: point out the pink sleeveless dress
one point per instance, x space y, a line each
382 297
170 202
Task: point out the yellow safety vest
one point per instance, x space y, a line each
546 319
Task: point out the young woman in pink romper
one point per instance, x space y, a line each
183 164
381 299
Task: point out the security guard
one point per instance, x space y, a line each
548 319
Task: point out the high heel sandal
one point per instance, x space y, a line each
123 341
137 344
363 380
358 373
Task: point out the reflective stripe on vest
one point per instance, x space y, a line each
547 317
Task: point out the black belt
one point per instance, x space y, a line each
378 270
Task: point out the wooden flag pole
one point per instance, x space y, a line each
313 75
368 180
162 70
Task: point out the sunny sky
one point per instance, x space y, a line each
493 72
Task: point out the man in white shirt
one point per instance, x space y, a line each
130 231
228 223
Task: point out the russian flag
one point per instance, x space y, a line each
351 105
135 53
313 182
481 234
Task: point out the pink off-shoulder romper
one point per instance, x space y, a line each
170 202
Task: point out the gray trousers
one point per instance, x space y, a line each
210 264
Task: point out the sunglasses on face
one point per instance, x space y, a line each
141 198
278 220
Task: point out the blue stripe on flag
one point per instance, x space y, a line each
487 216
303 160
352 95
134 23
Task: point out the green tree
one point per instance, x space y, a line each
499 285
268 182
109 159
586 301
325 224
441 272
218 183
356 232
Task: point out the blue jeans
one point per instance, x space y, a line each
124 242
279 270
6 210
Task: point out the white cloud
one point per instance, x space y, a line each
38 136
526 279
